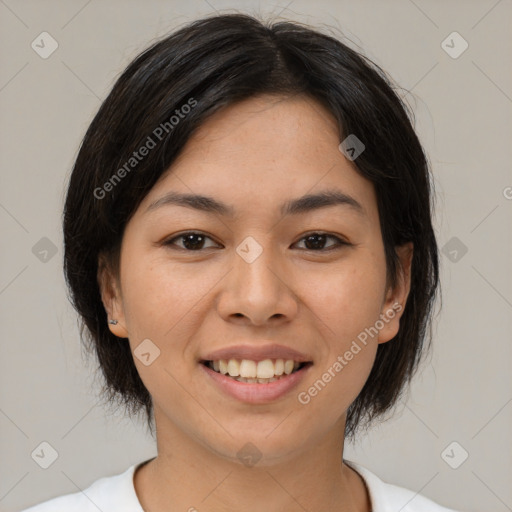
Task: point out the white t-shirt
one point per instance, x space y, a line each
117 494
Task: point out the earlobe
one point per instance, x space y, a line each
111 298
117 329
396 298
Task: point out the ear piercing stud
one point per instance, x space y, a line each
113 322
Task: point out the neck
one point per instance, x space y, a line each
188 476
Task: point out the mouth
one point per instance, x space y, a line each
255 382
249 371
255 373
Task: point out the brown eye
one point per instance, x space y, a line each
191 241
316 242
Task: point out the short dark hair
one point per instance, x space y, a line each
209 64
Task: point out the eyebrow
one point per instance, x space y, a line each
306 203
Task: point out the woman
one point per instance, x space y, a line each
248 241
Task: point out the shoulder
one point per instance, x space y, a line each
109 494
385 497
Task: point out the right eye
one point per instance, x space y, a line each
192 241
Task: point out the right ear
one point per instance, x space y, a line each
111 297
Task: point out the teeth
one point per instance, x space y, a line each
247 370
259 381
265 369
233 368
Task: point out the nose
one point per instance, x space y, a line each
258 293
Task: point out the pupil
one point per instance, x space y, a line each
312 238
188 241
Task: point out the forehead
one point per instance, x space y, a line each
269 129
262 151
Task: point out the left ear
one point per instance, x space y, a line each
394 303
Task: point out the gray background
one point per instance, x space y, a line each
463 107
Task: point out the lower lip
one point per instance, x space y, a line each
256 393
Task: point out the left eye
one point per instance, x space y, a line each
193 241
318 239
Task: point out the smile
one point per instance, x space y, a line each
252 372
254 382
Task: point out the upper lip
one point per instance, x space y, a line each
257 353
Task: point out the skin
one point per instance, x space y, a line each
254 156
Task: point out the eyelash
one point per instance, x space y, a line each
340 243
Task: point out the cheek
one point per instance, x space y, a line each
157 308
350 353
165 304
154 293
349 299
347 304
144 300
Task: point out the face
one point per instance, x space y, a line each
255 274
